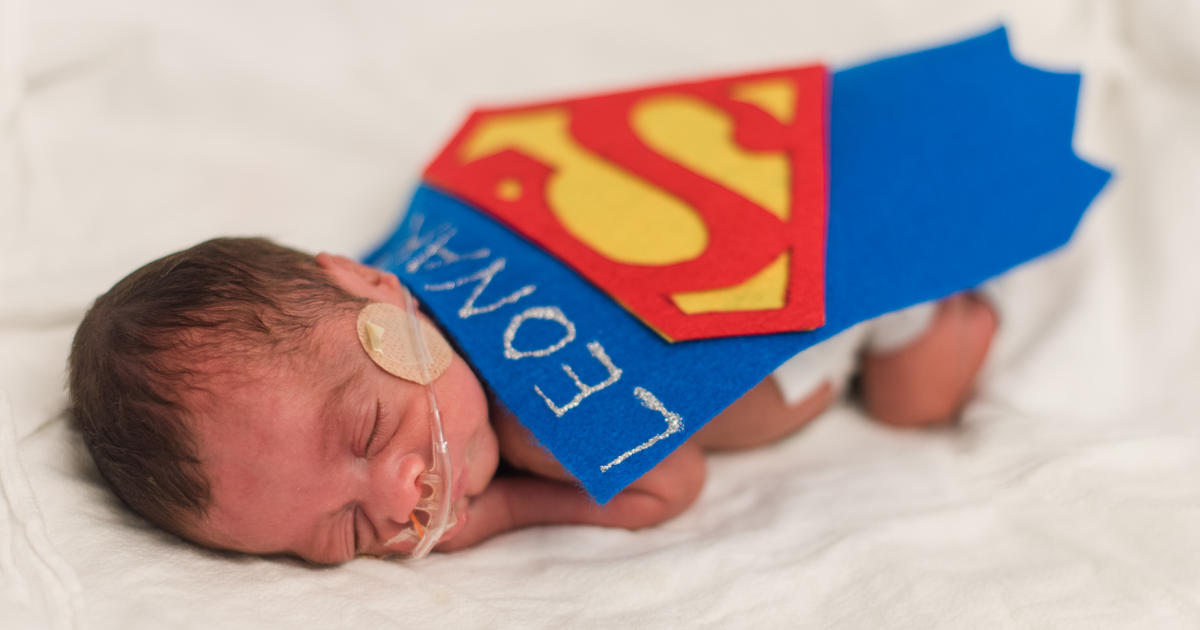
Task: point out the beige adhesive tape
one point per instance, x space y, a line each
384 332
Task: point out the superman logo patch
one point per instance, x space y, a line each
700 207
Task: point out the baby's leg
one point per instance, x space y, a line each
929 380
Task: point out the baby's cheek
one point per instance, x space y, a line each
466 415
483 455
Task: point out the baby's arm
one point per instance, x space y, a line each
550 495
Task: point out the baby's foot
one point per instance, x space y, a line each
928 381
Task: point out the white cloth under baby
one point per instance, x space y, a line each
836 358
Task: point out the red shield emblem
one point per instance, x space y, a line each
698 206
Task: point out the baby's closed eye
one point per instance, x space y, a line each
374 431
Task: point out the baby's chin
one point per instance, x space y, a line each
462 509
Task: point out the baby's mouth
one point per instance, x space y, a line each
403 543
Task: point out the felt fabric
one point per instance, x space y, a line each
948 166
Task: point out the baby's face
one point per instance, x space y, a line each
319 455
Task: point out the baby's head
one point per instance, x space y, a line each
225 396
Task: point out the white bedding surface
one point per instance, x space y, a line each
1068 496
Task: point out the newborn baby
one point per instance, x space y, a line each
225 396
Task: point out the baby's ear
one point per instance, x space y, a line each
359 279
340 269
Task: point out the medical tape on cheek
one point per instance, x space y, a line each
384 332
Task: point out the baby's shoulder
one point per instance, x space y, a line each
519 448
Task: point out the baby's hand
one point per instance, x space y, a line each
514 502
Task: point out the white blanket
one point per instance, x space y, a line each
1068 496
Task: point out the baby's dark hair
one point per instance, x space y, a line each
135 355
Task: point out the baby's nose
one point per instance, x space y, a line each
396 488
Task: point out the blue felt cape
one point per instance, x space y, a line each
947 167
